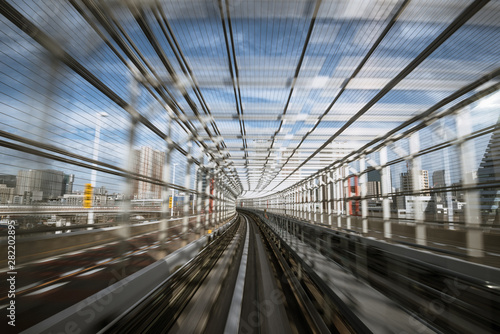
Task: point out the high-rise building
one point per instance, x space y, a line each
7 188
407 187
407 181
148 162
204 180
68 181
42 184
457 191
374 186
488 173
374 189
439 181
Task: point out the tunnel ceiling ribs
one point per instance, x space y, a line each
233 70
454 26
397 12
274 94
292 87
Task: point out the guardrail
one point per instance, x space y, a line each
88 315
451 294
36 247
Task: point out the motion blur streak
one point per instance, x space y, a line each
250 166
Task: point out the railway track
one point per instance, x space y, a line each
241 282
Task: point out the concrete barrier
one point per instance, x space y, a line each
94 312
34 248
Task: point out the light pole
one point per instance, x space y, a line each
95 155
173 193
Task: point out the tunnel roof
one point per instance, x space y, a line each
278 90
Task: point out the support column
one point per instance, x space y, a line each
364 201
385 180
220 196
212 200
206 204
187 185
287 203
198 194
309 201
301 202
315 197
321 200
222 204
165 210
304 199
447 176
290 202
416 177
474 235
329 179
347 181
293 201
124 231
339 202
217 191
296 204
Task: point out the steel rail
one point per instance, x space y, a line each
316 321
159 310
366 258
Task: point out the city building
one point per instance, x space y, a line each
408 205
72 199
27 197
407 181
374 189
405 202
43 185
204 180
6 194
438 179
148 162
374 186
101 197
8 180
488 176
439 182
68 181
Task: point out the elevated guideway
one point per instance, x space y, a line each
225 166
266 273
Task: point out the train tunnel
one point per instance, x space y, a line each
229 166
